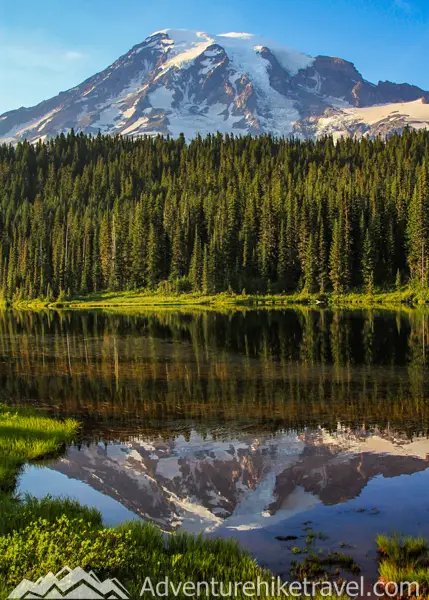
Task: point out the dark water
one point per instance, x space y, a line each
238 424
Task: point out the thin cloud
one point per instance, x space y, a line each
34 67
19 52
74 55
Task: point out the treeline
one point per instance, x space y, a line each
83 214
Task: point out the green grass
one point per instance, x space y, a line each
404 551
26 436
130 552
17 513
404 559
388 297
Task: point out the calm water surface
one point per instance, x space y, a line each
248 425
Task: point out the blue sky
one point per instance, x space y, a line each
47 46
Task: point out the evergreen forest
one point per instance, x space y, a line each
83 214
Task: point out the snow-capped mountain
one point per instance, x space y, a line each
197 83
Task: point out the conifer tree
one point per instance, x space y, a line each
153 257
178 256
139 243
105 252
282 265
208 286
418 228
336 267
322 274
368 264
196 269
81 214
309 267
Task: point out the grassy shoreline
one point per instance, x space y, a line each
395 298
38 536
26 436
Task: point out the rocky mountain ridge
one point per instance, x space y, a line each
180 81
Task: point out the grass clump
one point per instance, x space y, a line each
313 535
404 551
317 567
404 559
17 513
26 436
130 552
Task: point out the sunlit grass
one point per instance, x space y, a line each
26 436
388 297
130 552
18 512
404 559
403 550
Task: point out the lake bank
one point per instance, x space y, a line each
27 436
391 299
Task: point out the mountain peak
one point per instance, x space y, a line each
179 80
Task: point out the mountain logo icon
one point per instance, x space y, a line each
68 583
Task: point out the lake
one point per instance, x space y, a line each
254 425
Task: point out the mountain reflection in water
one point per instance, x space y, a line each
202 483
236 423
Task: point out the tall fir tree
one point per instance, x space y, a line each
418 228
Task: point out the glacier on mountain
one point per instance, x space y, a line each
192 82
